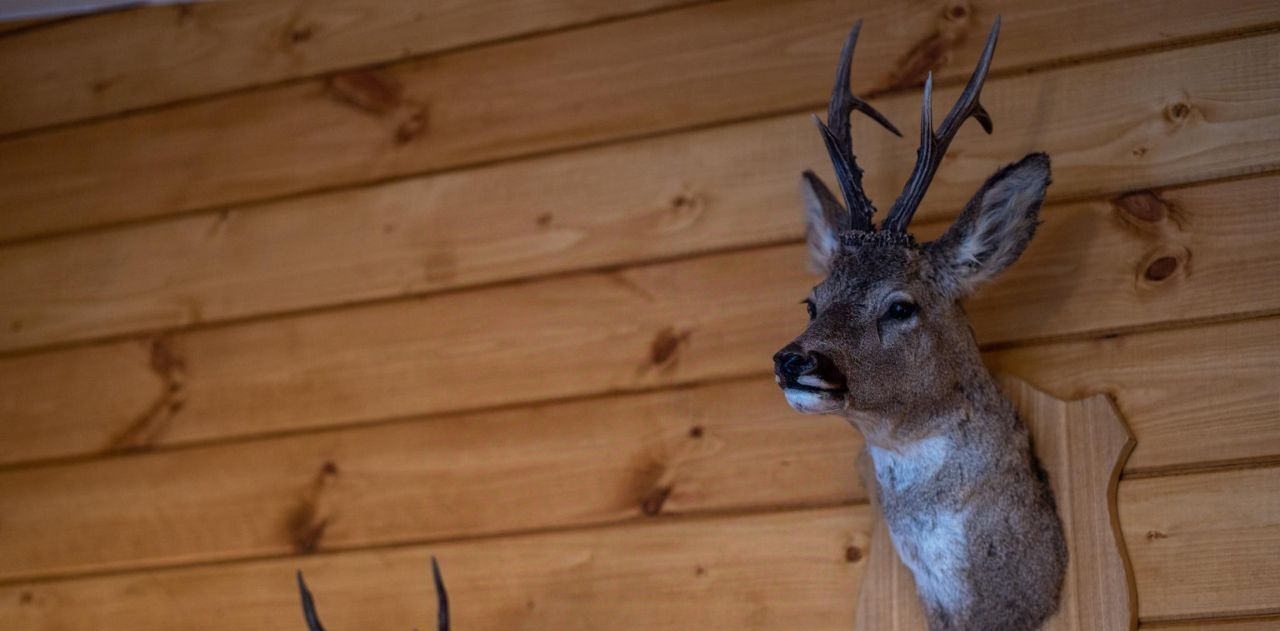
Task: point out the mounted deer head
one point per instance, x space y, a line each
889 347
888 333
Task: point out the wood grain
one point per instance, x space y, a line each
782 571
1082 445
156 55
669 323
1198 551
9 26
1202 396
568 212
1204 545
733 446
1217 624
683 68
315 252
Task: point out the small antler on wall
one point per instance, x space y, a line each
1083 446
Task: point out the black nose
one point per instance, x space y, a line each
790 364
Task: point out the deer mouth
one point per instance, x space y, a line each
810 395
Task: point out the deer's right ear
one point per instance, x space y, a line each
825 218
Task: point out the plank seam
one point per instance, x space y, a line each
145 334
442 415
303 78
1206 39
684 518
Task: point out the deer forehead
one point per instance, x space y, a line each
865 272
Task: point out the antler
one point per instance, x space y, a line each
309 606
934 145
442 600
836 134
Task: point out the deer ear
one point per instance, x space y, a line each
994 228
825 219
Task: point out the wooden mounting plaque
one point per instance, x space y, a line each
1083 444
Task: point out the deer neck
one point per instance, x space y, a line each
969 430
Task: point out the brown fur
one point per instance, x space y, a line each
951 457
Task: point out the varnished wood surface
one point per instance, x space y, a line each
731 446
433 113
215 47
513 304
695 319
784 571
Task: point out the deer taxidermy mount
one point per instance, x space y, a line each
889 347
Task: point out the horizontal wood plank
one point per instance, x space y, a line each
1204 545
1200 546
1217 624
723 188
682 68
156 55
783 571
8 26
669 323
733 446
1200 396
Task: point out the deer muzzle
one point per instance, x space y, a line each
810 380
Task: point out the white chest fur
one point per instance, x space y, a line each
929 539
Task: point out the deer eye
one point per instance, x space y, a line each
813 309
900 310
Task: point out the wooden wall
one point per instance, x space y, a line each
339 286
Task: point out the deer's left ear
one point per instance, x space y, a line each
994 227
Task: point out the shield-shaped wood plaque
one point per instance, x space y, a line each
1083 444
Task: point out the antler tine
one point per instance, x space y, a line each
837 136
442 598
308 606
933 146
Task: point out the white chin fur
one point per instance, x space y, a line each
812 402
813 381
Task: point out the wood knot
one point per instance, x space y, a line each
685 201
1161 268
102 85
958 12
653 502
1153 535
329 468
698 570
26 597
305 533
1162 264
852 554
367 91
544 220
681 211
1143 206
665 346
15 326
413 126
300 33
1177 112
696 431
